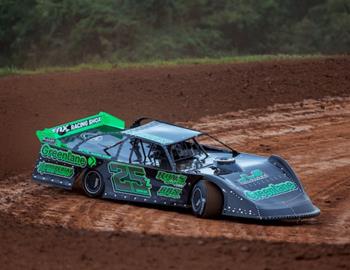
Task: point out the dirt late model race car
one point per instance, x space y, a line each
165 164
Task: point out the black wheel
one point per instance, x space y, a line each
206 200
93 184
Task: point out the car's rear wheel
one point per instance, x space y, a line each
93 184
206 200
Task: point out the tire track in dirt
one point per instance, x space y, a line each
313 135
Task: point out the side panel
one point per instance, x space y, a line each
137 183
60 167
129 182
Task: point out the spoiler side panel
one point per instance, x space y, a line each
54 134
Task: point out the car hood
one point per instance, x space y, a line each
267 184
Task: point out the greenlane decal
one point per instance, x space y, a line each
129 179
55 169
169 192
63 156
255 175
91 162
271 190
177 180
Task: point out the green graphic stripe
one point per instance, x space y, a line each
271 190
63 156
55 169
95 154
169 192
177 180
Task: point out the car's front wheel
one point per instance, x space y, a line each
206 200
93 184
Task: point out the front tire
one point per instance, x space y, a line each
93 184
206 200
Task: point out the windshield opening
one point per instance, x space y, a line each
185 150
198 152
208 142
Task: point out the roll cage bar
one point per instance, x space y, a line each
134 141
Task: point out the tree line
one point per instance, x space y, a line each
63 32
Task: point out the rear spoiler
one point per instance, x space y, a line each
52 135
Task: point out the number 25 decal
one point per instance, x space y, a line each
129 179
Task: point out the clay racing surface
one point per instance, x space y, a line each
310 128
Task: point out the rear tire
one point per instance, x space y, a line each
93 184
206 200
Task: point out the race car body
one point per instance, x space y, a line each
162 163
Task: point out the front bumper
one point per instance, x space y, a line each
299 207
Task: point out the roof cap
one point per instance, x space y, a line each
161 132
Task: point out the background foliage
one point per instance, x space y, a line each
63 32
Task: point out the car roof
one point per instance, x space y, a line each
162 132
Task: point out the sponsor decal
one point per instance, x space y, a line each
91 162
254 175
129 179
65 156
61 130
169 192
271 190
177 180
49 140
55 169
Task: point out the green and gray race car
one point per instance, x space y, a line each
165 164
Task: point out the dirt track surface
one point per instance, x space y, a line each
307 128
313 135
40 247
29 103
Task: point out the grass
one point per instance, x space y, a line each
6 71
